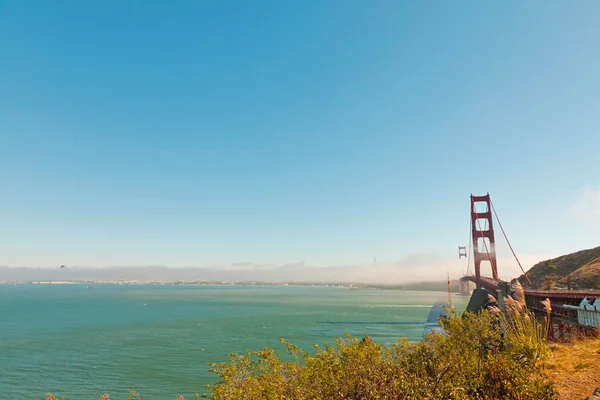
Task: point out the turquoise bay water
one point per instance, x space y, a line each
79 343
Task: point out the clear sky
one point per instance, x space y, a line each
203 133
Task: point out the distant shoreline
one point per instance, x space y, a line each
422 286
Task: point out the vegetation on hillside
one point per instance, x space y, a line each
585 277
580 269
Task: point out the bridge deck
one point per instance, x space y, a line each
566 314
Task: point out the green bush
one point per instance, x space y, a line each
479 356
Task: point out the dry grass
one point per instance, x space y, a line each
588 275
574 368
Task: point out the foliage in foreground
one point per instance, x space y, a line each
480 356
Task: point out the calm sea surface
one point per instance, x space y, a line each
79 342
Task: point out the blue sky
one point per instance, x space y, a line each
194 133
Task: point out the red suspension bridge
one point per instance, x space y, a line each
573 312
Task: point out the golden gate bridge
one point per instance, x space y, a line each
572 312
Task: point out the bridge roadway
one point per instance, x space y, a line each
567 318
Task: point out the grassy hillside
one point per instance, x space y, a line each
587 276
584 267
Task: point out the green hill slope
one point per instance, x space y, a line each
587 276
584 267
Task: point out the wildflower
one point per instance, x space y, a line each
518 306
494 310
547 305
512 305
519 293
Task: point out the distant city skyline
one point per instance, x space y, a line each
211 134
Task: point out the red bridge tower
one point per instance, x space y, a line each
483 235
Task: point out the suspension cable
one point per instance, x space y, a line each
508 241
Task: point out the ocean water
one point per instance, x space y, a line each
79 342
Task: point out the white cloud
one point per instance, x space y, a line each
586 205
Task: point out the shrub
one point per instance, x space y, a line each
479 356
